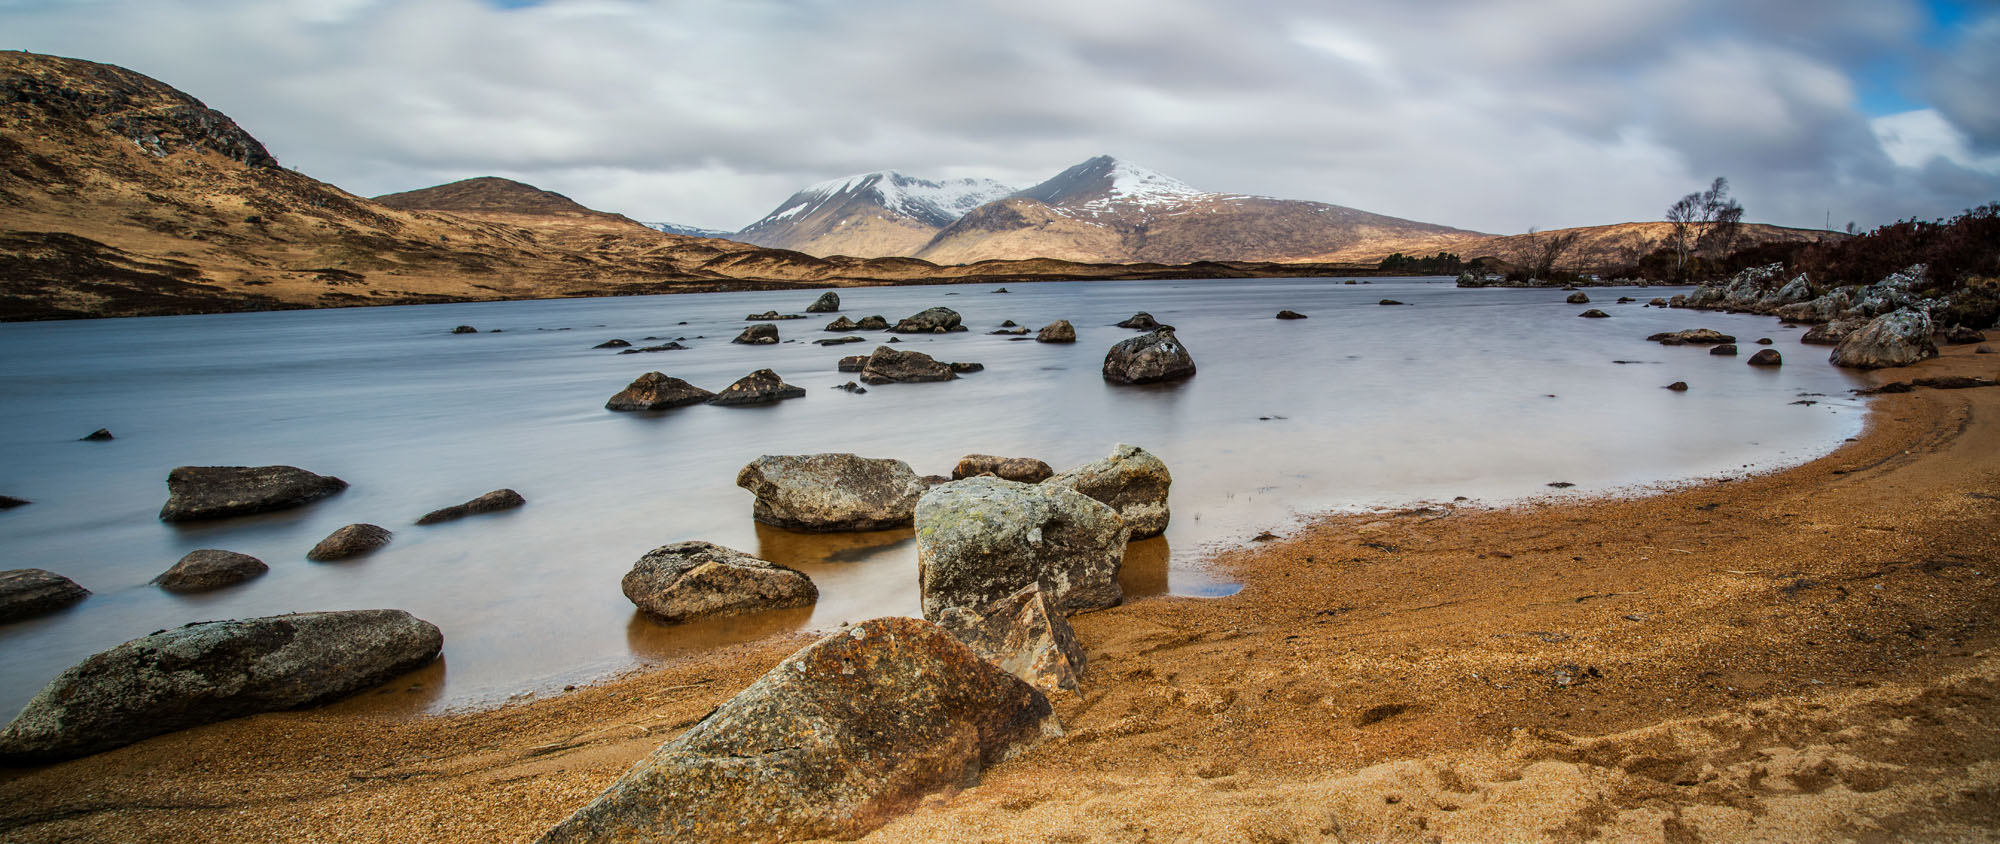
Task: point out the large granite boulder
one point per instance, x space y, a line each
889 366
1154 356
350 541
1799 289
657 391
760 387
827 303
210 568
1831 333
1894 292
213 671
1026 470
1025 635
1825 308
982 539
26 593
492 502
1133 481
762 334
831 492
930 321
687 581
836 740
214 492
1894 339
1059 331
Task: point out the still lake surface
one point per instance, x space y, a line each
1488 394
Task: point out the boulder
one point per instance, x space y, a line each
657 391
983 539
1008 323
872 323
1825 308
213 671
1723 349
1678 386
1900 338
1154 356
1025 470
1141 320
687 581
1692 335
1799 289
1059 331
1766 357
962 367
613 343
214 492
1594 313
499 499
841 341
1290 314
930 321
1830 333
773 315
758 335
852 363
26 593
851 387
760 387
841 324
8 502
465 329
350 541
210 568
1955 335
1132 481
1763 341
831 492
104 434
1008 332
664 347
828 302
1626 300
835 741
1388 302
889 366
1578 298
1657 303
1024 635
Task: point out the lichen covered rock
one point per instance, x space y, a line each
831 492
1132 481
214 492
1148 358
657 391
1894 339
687 581
982 539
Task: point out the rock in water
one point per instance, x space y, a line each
962 367
350 541
1133 481
1290 314
1026 470
1900 338
1141 320
872 323
465 329
104 435
1692 335
1594 313
852 363
1766 357
499 499
26 593
613 343
687 581
929 321
8 502
841 324
213 671
1830 333
1578 298
760 387
835 741
1724 349
982 539
1678 386
1024 635
214 492
1147 358
827 303
889 366
657 391
210 568
758 335
831 492
1059 331
1955 335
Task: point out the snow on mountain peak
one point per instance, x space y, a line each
1135 184
935 202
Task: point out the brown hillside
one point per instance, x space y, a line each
1618 245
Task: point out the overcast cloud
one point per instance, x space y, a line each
1487 115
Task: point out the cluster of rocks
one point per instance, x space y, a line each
867 323
659 391
1889 323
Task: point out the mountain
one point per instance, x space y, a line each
690 231
882 213
1619 245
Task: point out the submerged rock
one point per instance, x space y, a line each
835 741
1059 331
8 502
664 347
1678 386
1388 302
499 499
758 335
1141 320
1960 335
852 363
1155 356
1290 314
963 367
210 568
1132 481
760 387
26 593
687 581
1723 349
827 303
831 492
1578 298
465 329
1023 634
841 341
213 671
1695 336
1026 470
930 321
841 324
1594 313
104 434
982 539
1894 339
657 391
851 387
872 323
613 343
350 541
214 492
888 366
1766 357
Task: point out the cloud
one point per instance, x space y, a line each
1488 115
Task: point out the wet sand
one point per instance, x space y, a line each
1812 655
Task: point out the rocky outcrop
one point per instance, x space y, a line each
214 492
889 366
841 324
1141 320
1831 333
210 568
758 335
930 321
1148 358
1059 331
350 541
836 740
1895 339
1578 298
1025 470
1132 481
687 581
982 539
26 593
1766 357
828 302
657 391
831 492
499 499
760 387
1025 635
1696 336
213 671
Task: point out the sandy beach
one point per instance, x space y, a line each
1811 655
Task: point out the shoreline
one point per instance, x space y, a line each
1482 666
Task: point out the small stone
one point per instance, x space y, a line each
1726 349
1593 313
495 501
665 347
842 324
465 329
1059 331
963 367
8 502
1388 302
852 363
1678 386
98 436
1025 470
350 541
1141 320
613 343
840 341
1290 314
1763 341
851 387
872 323
1578 298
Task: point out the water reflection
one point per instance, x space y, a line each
795 549
410 694
1145 572
653 640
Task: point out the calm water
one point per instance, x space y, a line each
1490 394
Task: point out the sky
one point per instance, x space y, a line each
1493 115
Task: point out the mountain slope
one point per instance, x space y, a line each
1616 246
689 231
871 214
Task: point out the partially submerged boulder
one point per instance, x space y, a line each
852 363
687 581
1830 333
1148 358
1141 320
1059 331
104 434
841 341
26 593
1023 634
1593 313
210 568
214 492
872 323
613 343
350 541
1692 336
930 321
835 741
1725 349
982 539
760 387
1132 481
1766 357
1960 335
889 366
1026 470
841 324
465 329
657 391
499 499
827 303
213 671
1290 314
831 492
672 346
772 315
1578 298
758 335
1894 339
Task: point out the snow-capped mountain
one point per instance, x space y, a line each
872 214
689 231
1106 184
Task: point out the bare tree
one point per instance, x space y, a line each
1703 221
1548 251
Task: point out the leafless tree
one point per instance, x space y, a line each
1703 221
1548 251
